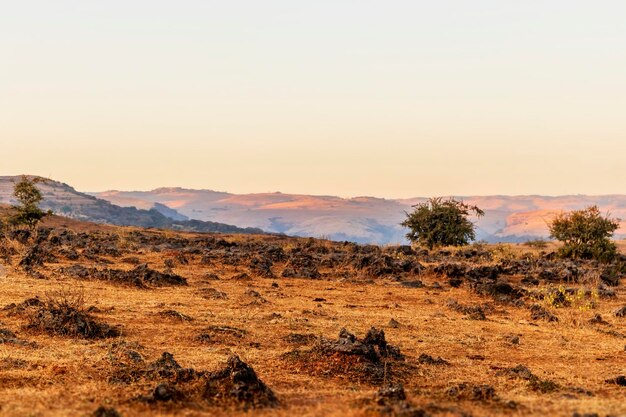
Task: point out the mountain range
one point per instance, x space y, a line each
362 219
64 200
357 219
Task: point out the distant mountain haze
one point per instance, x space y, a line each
362 219
358 219
64 200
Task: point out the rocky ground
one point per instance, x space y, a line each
107 321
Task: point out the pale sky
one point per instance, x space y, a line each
386 98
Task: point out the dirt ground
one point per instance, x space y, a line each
286 328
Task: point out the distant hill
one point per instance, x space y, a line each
361 219
64 200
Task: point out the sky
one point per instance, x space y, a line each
344 97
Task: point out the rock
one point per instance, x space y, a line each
610 276
393 323
474 312
370 359
513 339
429 360
166 392
300 339
466 391
451 270
597 319
619 380
212 294
412 284
175 315
537 312
167 367
262 267
237 383
391 400
103 411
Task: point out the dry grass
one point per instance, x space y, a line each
64 376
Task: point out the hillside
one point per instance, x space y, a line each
64 200
361 219
106 321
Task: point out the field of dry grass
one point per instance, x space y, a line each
228 307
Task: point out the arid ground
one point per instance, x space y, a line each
106 321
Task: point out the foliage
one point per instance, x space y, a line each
439 222
28 196
536 244
585 234
561 297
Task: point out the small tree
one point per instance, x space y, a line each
28 196
439 222
585 234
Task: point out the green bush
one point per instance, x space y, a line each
439 222
585 234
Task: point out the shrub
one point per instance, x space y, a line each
536 243
64 314
585 234
439 222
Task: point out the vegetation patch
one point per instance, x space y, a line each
64 314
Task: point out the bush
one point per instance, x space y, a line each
64 314
536 244
585 234
439 222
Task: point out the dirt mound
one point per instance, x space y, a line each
173 314
238 384
221 334
8 337
473 312
451 270
426 359
262 267
467 391
534 382
37 255
166 367
125 363
66 315
235 385
300 339
499 290
106 412
538 312
391 400
141 276
380 265
210 293
16 309
619 380
370 359
301 266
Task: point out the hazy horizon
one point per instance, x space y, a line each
348 98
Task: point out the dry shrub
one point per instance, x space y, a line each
63 313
